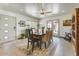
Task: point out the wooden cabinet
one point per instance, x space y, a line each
75 30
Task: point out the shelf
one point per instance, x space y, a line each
73 23
73 19
73 30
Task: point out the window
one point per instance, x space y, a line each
49 25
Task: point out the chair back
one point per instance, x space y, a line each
43 30
30 32
45 38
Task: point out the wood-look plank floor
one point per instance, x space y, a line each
59 47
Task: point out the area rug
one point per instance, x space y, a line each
23 51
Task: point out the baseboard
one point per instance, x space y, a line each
6 41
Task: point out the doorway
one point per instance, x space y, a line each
7 28
54 25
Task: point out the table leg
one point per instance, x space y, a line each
32 46
40 44
45 44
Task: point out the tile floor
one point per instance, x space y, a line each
59 47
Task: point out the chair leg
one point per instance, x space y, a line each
32 46
40 44
45 44
28 45
49 42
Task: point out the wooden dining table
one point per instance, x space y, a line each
38 36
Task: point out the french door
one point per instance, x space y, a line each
54 25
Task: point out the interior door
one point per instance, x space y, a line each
7 28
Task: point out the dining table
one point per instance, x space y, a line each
38 36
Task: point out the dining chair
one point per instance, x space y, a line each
32 39
43 30
45 39
50 34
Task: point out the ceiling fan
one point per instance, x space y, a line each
43 11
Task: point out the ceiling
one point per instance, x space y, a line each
33 9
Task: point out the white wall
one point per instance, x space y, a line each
62 29
32 21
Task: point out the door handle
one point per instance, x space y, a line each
14 27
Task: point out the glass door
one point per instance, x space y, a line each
54 25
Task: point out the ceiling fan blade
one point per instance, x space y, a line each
48 12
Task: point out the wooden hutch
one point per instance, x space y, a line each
75 30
